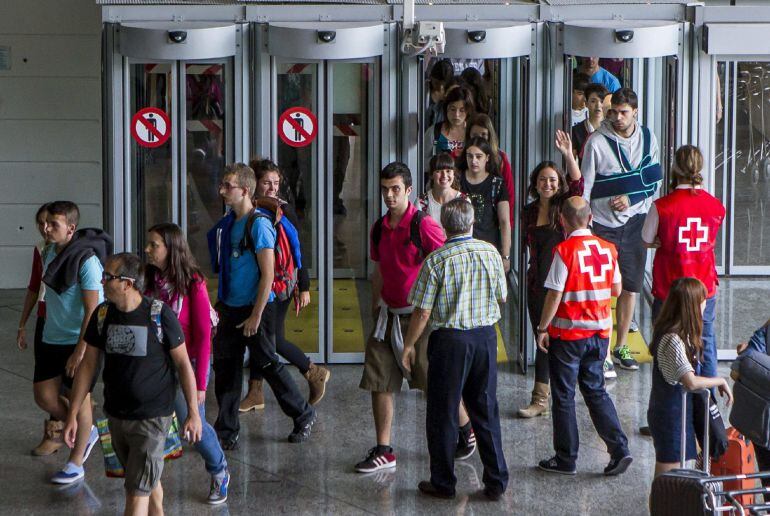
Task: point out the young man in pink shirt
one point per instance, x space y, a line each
400 241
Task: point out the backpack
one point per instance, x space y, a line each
287 255
155 312
414 231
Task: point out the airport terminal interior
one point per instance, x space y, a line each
133 108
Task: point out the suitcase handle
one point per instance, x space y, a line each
706 445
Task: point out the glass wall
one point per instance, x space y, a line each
742 164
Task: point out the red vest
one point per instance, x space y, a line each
585 309
689 221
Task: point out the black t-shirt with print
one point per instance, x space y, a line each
139 373
485 196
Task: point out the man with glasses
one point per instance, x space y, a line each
246 310
143 346
72 275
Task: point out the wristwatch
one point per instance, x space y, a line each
541 330
506 256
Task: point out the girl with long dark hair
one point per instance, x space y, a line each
173 276
677 352
549 186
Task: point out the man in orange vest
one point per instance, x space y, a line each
574 330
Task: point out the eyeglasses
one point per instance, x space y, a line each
106 276
228 186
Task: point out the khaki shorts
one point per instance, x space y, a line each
381 366
139 445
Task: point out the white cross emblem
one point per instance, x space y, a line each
595 260
690 234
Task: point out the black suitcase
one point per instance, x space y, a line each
751 410
687 492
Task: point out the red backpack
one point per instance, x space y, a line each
285 270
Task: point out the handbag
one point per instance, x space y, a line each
718 433
112 466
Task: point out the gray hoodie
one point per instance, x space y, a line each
598 157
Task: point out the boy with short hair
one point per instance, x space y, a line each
72 275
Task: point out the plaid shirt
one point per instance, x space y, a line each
461 283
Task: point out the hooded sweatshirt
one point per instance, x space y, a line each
599 158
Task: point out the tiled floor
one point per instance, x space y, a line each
272 476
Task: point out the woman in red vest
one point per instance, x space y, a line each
683 226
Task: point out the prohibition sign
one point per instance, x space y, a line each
150 127
297 127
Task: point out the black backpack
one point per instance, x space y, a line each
414 231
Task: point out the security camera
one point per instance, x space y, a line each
477 36
326 36
177 36
624 36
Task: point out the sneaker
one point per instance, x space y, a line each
465 446
93 438
69 474
618 466
622 356
302 434
634 327
218 491
376 461
609 370
554 465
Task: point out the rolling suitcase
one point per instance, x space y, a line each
737 460
687 492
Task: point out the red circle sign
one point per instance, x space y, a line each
297 127
151 127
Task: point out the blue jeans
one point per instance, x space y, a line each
581 362
208 447
708 366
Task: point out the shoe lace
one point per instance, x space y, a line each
625 353
372 453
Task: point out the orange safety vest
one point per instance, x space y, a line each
585 308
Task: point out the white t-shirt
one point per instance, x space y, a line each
578 115
434 207
557 274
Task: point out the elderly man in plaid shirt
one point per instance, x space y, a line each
459 291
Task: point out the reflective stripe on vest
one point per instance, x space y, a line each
576 324
588 295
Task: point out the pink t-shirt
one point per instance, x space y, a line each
399 259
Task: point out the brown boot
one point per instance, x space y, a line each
255 399
316 377
539 404
52 439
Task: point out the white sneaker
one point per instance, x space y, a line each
609 370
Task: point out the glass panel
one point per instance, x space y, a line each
150 85
351 92
206 140
723 157
751 188
296 87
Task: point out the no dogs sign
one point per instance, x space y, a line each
151 127
297 127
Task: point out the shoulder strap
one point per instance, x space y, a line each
247 242
437 132
646 141
619 154
101 316
377 232
155 317
414 230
